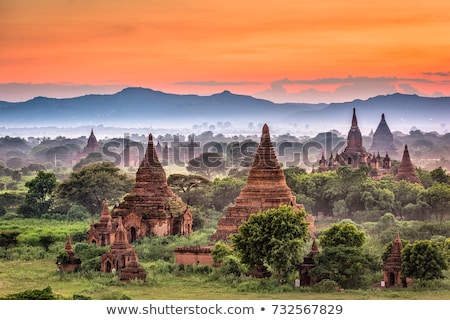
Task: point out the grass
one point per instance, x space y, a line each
20 275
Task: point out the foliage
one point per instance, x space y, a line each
207 164
92 157
46 241
39 195
94 183
191 188
44 294
424 260
224 191
343 233
220 251
8 239
262 238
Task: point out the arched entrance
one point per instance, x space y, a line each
133 234
391 279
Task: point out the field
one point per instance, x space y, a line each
29 267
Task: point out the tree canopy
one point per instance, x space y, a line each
94 183
272 238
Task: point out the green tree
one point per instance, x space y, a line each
92 157
342 258
207 164
263 237
8 239
220 251
46 241
39 196
343 233
438 198
440 175
190 188
224 191
16 175
94 183
424 260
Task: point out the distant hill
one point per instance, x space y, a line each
141 107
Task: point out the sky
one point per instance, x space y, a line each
284 51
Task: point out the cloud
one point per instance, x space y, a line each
328 90
440 74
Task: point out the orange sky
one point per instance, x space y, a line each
282 50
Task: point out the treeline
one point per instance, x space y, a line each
347 193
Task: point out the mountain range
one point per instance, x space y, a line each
146 108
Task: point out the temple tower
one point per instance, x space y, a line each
383 139
151 207
266 188
122 257
73 263
354 153
392 267
308 263
406 170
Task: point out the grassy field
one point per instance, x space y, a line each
19 275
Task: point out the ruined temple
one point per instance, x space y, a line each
406 170
265 189
392 267
91 146
151 208
308 263
354 153
383 139
72 263
122 257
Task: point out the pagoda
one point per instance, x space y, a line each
122 257
392 267
406 170
383 139
265 189
151 208
72 263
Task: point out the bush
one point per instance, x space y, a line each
326 285
45 294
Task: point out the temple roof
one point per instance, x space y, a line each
406 170
151 193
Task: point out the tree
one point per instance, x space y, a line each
39 196
8 239
438 198
186 186
342 258
224 191
16 175
92 157
94 183
273 238
424 260
220 251
46 241
207 164
440 175
343 233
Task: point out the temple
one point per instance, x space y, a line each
122 258
392 267
91 146
72 263
308 263
383 139
355 154
406 170
265 189
151 208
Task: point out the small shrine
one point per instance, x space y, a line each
122 258
308 263
70 262
392 267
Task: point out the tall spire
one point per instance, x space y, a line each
406 170
354 120
265 189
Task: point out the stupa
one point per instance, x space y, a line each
392 267
151 208
72 263
406 170
383 139
265 189
122 257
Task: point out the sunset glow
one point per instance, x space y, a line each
286 50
